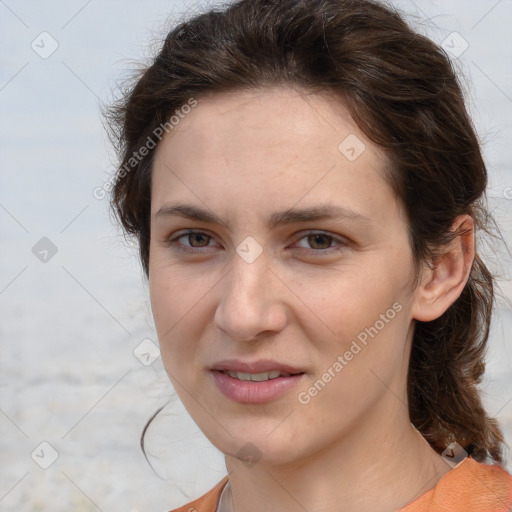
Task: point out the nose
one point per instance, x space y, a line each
251 304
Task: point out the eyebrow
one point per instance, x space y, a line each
290 216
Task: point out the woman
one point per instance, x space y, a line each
306 186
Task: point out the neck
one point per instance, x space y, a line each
382 468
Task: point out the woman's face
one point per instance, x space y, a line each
277 244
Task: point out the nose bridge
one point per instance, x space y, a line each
246 286
249 303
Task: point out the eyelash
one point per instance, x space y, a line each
340 243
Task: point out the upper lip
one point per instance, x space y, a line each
261 365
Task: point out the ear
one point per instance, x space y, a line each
442 285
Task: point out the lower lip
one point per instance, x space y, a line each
252 392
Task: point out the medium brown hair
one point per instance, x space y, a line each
403 93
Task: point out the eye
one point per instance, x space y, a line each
196 239
192 241
321 242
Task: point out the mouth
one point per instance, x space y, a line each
248 391
258 377
254 383
260 366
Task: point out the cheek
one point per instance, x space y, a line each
359 322
179 310
357 368
342 303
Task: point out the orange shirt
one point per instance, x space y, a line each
470 486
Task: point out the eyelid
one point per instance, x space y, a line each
340 240
173 239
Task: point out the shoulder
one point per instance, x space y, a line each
470 487
207 502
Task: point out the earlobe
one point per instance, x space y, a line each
442 284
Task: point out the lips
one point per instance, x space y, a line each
257 377
259 366
254 392
255 382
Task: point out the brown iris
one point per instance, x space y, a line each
319 241
198 239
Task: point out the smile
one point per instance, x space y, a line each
257 377
255 388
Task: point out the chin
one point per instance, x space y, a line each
258 444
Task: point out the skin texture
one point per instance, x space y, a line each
242 157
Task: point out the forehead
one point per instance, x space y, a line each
279 144
271 117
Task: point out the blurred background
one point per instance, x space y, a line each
80 372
